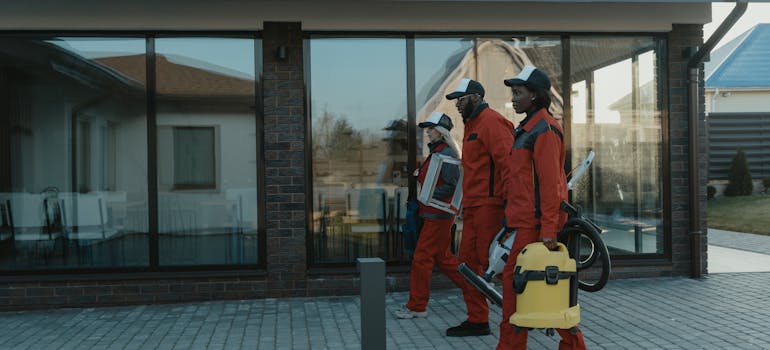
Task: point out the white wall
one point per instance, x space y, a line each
236 153
737 101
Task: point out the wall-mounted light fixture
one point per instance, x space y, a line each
282 53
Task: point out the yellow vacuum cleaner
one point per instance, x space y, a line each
545 282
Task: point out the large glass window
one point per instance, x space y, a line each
207 151
357 96
615 111
73 153
617 114
359 120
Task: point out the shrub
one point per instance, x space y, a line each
711 192
766 183
739 176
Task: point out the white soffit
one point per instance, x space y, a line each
351 15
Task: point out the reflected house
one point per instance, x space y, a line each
65 119
206 196
487 63
259 149
106 118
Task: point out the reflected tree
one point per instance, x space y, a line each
334 137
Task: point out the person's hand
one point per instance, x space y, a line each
550 243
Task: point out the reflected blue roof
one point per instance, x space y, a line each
743 62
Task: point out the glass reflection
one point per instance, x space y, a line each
616 113
357 94
207 151
73 132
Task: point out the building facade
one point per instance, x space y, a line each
179 151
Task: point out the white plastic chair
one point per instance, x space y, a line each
27 217
84 216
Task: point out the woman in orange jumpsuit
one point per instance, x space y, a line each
436 232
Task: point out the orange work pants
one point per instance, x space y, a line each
480 224
432 248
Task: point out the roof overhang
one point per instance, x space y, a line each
356 15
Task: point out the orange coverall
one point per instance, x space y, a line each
486 146
538 185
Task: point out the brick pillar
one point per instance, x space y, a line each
284 135
684 36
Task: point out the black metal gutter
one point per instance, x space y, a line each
696 234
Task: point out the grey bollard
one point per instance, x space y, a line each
372 272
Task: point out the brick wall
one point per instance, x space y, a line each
681 38
72 293
284 151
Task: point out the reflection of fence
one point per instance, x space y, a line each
62 228
101 228
353 223
206 228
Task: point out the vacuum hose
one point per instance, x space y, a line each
481 285
577 233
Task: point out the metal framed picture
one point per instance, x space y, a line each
445 167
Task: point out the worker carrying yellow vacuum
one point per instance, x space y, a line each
535 207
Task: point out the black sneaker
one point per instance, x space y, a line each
468 329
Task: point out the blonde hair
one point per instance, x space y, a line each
449 140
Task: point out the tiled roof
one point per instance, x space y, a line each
744 62
175 79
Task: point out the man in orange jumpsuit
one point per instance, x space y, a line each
487 142
538 185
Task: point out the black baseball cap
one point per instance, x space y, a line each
466 87
532 78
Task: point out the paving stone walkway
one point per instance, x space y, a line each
737 240
719 311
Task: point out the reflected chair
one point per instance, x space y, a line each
84 217
367 213
115 204
32 218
